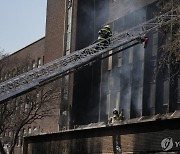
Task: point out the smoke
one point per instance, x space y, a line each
126 90
121 86
124 84
91 16
121 7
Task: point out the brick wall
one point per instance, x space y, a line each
23 58
135 137
54 41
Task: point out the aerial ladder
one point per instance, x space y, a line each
64 65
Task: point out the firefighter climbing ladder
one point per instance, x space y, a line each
78 59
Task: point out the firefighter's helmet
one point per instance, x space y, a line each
115 111
107 26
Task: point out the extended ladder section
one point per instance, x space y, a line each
78 59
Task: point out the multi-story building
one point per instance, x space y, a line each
125 81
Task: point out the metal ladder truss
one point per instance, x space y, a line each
78 59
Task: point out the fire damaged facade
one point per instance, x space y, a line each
143 82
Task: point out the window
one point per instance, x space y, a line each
117 100
33 64
24 131
108 105
26 107
5 76
110 61
39 62
29 130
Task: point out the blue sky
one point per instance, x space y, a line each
22 22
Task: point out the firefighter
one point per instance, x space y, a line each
144 40
104 36
121 115
115 117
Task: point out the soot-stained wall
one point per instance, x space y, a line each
91 15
